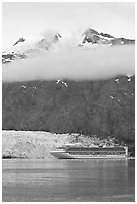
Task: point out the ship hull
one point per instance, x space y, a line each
65 155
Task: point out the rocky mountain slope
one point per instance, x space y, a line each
103 108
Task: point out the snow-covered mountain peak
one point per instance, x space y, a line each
53 41
48 40
94 37
90 32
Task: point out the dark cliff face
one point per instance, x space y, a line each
103 108
18 41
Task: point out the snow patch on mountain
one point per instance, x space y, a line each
23 86
117 80
62 82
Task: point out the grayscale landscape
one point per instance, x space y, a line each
68 78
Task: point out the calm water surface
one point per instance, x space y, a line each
68 180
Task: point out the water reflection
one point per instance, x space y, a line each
97 178
68 180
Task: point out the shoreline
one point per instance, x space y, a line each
37 144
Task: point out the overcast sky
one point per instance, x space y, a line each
31 19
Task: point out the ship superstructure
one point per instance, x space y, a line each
85 152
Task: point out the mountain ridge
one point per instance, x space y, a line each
48 42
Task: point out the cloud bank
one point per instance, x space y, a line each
73 63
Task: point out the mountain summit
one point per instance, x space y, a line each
20 40
92 36
23 48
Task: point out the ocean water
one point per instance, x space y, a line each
53 180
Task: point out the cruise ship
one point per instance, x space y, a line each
92 152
